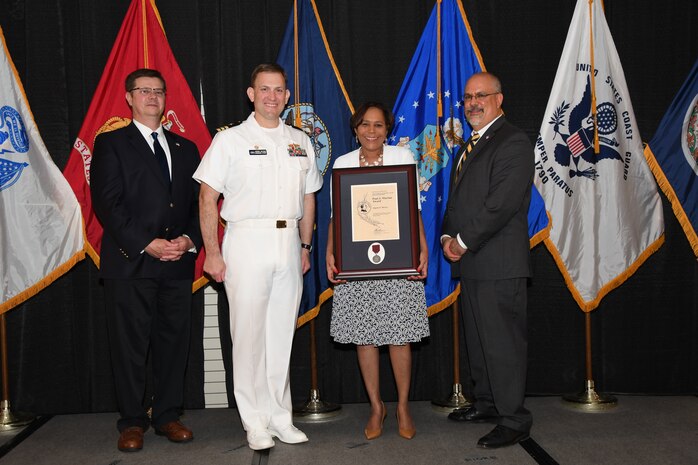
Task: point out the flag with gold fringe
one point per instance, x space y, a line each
319 105
590 169
141 43
673 156
430 121
41 233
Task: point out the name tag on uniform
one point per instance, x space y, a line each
295 150
258 151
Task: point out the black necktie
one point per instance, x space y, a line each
161 157
466 152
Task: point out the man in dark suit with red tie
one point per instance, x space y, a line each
485 235
147 202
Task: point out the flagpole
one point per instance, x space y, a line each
593 80
296 69
439 102
315 409
456 399
8 420
589 400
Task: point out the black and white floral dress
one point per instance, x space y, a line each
382 311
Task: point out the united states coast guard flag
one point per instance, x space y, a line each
320 106
430 121
141 43
673 156
606 211
41 235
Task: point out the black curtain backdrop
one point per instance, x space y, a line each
643 334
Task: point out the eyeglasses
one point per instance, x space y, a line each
146 91
479 97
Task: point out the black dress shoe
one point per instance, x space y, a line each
501 436
470 414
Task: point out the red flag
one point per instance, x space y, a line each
141 43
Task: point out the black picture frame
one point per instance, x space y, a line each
392 192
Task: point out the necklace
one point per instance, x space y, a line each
364 162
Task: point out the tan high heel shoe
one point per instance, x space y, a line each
407 433
375 433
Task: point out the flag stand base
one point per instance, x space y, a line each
9 420
455 401
589 400
315 409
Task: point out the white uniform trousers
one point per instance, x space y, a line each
264 283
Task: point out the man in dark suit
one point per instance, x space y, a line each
147 202
485 235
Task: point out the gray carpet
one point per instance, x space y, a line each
640 430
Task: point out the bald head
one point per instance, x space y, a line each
483 99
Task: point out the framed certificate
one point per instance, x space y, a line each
376 227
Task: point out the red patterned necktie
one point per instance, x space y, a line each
468 148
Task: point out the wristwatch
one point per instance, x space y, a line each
308 247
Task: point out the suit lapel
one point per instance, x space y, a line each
454 165
479 147
146 154
175 148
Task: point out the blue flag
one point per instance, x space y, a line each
538 219
673 156
434 140
320 106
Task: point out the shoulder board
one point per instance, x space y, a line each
228 126
292 126
290 121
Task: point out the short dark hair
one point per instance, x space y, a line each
143 72
268 68
358 117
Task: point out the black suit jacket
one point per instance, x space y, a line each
135 204
488 205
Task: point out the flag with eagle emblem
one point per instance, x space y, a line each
590 168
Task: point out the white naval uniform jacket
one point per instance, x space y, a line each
262 173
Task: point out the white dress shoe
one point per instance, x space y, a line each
288 434
259 439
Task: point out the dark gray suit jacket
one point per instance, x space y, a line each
135 205
488 205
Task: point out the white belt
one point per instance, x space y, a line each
264 224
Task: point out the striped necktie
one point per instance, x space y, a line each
468 148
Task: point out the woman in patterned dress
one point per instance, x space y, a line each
372 313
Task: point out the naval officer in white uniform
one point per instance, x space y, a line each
267 174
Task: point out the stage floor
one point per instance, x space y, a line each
640 430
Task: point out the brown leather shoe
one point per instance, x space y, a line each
131 439
375 433
175 432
